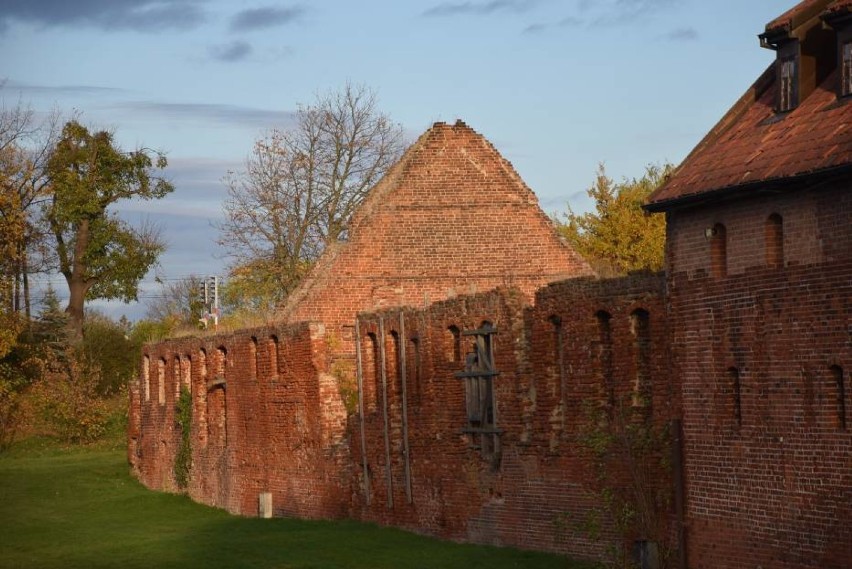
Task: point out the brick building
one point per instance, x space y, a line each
446 367
759 271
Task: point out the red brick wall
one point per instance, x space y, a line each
273 428
772 488
289 433
452 218
541 490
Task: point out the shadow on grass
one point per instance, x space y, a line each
69 508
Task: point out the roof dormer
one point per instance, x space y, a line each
839 17
806 52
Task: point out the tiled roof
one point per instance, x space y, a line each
801 11
754 144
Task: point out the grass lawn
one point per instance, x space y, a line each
78 507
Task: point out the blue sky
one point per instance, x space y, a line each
557 85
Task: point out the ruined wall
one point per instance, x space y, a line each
269 417
558 376
266 418
760 313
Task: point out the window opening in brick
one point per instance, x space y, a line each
415 370
478 377
641 330
187 373
719 251
202 405
254 355
558 353
146 377
736 397
177 376
217 401
396 366
273 355
453 346
840 390
373 384
774 240
161 381
846 69
604 353
787 91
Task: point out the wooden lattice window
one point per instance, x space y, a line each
478 377
846 69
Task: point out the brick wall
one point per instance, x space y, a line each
286 427
759 353
267 417
451 218
425 473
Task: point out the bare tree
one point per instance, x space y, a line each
301 185
25 145
179 302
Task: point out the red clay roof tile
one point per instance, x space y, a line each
752 143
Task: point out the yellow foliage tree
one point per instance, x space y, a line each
619 236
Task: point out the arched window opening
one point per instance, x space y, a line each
146 377
558 353
203 398
719 251
453 344
395 365
840 391
641 330
736 397
217 402
177 376
604 353
774 241
416 372
187 373
221 363
372 386
273 355
161 381
254 357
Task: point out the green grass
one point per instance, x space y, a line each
78 507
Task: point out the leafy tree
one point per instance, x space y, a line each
100 255
107 347
619 236
300 187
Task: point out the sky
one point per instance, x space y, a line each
558 86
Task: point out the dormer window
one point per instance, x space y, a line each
846 69
787 84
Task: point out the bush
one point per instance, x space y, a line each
10 411
67 400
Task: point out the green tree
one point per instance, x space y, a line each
100 255
619 236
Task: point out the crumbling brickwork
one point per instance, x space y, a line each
536 486
262 421
269 417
